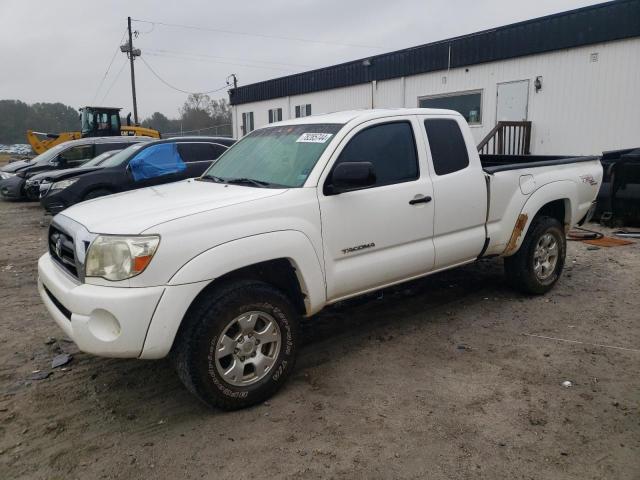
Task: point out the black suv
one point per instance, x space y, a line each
70 154
139 166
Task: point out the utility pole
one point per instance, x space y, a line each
132 52
235 80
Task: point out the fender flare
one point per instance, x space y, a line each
292 245
561 190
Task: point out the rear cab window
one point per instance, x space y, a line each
448 148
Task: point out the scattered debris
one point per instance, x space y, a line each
567 384
60 360
593 247
39 375
50 341
627 234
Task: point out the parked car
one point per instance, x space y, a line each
154 163
71 154
619 197
218 270
44 179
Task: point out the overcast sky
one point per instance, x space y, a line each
59 51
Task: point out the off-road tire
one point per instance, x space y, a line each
193 351
519 268
97 193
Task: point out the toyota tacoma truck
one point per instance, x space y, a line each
217 271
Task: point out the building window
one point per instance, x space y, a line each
275 115
468 104
247 122
303 110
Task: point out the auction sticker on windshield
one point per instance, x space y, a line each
314 137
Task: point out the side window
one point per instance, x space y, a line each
157 160
77 155
448 148
199 152
217 150
390 147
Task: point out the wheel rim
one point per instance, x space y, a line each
545 257
248 348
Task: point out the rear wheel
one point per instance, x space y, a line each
98 192
538 264
238 345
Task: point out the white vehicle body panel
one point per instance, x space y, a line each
338 245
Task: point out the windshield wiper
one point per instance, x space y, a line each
212 178
249 181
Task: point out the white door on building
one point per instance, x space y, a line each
513 101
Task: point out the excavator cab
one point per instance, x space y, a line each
100 122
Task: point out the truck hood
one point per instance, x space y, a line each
55 175
139 210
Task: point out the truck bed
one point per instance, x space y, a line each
501 163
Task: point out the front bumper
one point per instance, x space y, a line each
52 202
105 321
32 190
12 188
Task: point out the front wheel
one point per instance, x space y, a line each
538 264
238 345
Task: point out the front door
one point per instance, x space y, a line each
377 235
513 101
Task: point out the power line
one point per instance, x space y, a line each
174 87
108 67
114 80
183 57
173 52
261 35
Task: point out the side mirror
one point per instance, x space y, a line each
351 176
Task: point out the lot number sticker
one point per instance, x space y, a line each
314 137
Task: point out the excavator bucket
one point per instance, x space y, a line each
41 142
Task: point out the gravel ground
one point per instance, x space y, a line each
433 379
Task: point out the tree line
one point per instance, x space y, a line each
199 115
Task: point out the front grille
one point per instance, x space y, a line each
62 250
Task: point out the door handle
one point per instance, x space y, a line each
420 199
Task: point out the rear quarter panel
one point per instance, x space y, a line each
575 183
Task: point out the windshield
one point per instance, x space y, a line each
281 156
45 157
100 158
122 156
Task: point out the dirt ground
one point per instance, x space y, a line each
434 379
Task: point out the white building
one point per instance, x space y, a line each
575 76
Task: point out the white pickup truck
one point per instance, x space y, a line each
217 271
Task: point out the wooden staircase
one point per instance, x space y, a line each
507 138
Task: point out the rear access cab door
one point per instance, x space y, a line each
378 235
459 189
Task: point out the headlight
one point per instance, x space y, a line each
61 185
117 258
5 175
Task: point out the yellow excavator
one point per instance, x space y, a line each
95 122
